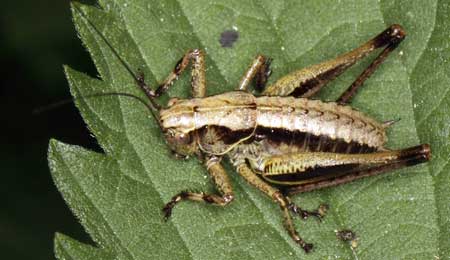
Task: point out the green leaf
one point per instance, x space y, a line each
118 195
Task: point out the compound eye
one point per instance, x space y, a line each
176 138
183 138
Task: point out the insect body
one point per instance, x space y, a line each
280 139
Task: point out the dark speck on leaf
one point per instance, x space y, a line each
228 37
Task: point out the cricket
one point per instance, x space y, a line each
281 142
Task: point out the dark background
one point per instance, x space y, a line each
36 39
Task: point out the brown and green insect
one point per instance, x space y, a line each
280 142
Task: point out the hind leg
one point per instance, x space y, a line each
306 82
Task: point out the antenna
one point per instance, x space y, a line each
71 100
139 79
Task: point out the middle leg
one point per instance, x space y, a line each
258 70
279 198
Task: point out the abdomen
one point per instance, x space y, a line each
313 125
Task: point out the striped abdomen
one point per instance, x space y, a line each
316 119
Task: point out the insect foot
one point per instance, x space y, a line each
214 199
284 202
319 213
307 247
349 236
167 209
